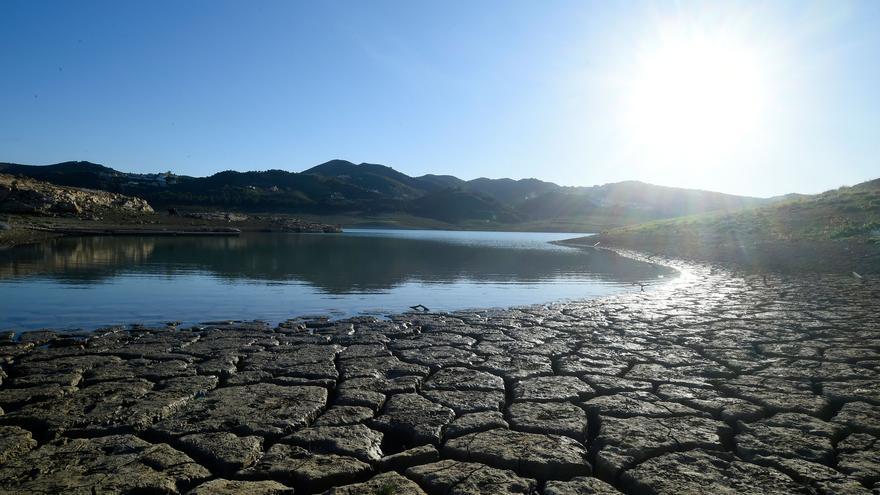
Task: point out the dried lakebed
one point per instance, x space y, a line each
714 383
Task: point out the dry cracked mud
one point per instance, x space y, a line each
713 382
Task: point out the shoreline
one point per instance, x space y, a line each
752 255
606 244
718 380
195 319
578 242
27 229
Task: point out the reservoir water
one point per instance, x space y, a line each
88 282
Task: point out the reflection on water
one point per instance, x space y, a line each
74 259
89 281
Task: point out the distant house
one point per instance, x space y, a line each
151 180
168 178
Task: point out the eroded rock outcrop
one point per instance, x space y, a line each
24 195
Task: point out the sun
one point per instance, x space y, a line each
694 96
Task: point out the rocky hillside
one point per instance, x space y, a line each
21 195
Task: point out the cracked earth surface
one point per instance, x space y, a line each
711 383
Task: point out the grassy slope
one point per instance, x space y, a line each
845 213
837 230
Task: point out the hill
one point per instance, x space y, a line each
836 230
844 213
347 190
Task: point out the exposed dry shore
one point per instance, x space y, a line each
712 383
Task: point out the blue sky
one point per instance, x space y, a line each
495 89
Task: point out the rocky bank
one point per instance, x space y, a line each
21 195
32 211
713 383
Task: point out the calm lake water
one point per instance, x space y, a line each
87 282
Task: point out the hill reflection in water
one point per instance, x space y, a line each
341 269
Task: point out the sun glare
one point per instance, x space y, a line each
693 97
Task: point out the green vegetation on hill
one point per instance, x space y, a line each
844 213
836 231
341 188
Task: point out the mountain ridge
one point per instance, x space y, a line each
343 187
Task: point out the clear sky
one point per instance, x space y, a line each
757 98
